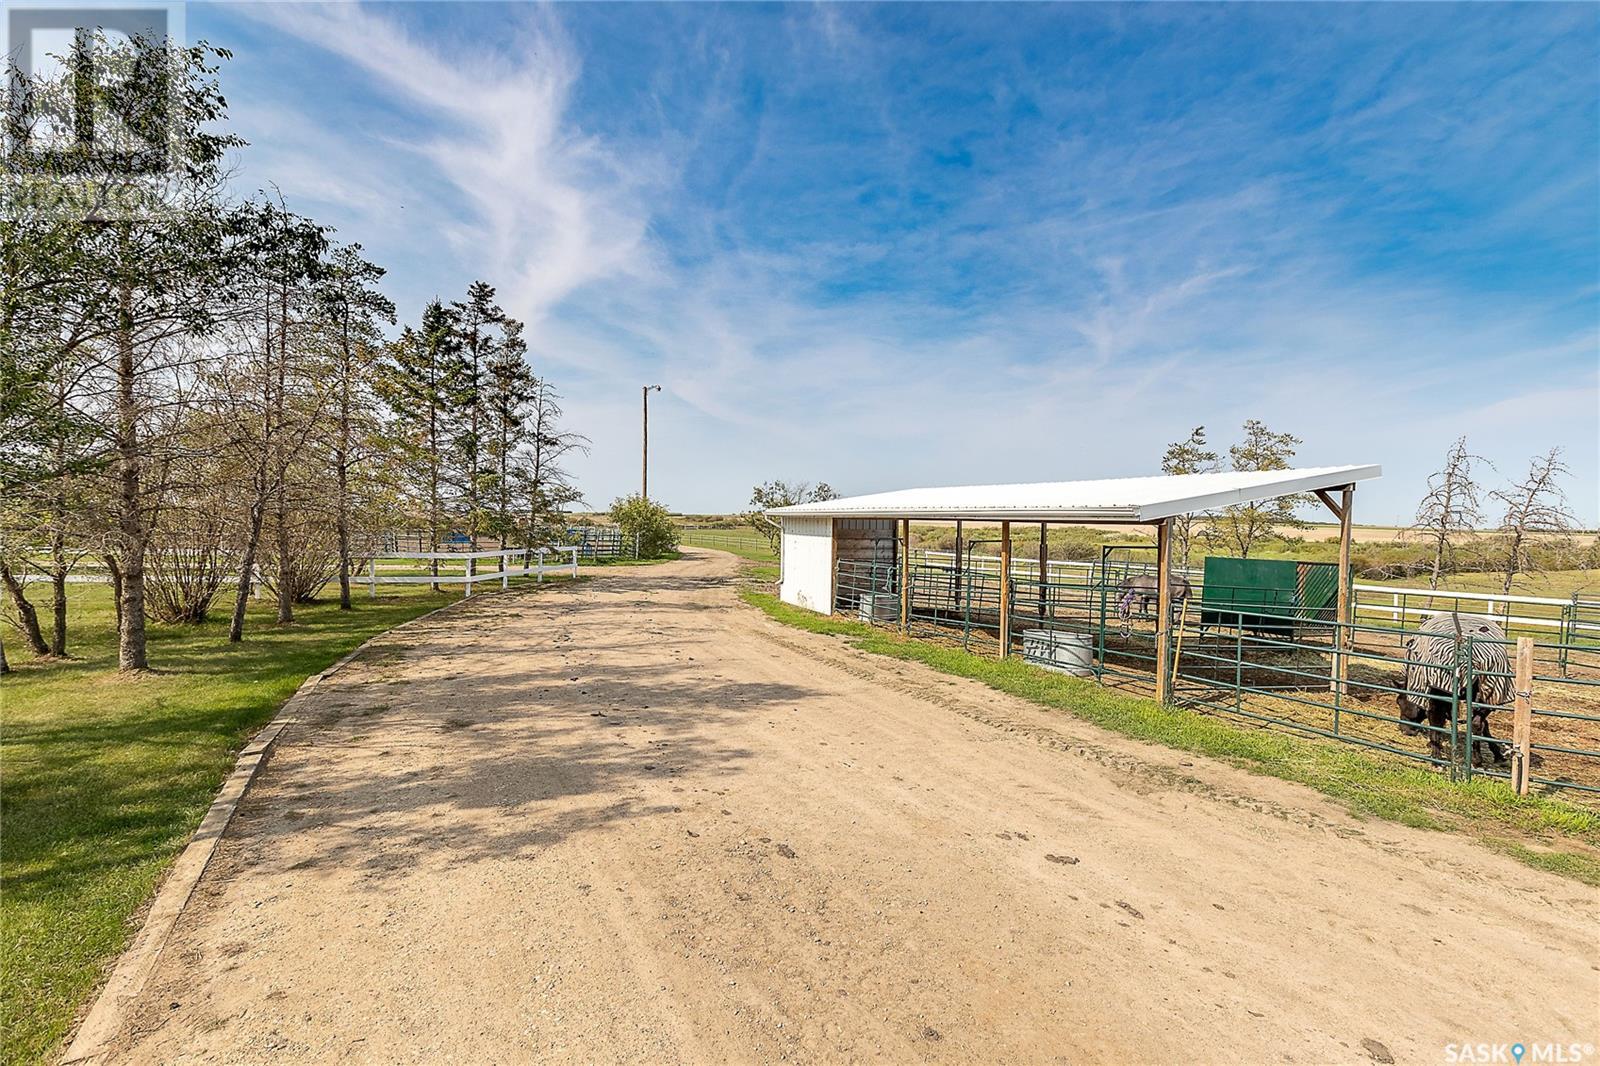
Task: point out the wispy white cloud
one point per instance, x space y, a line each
546 208
1064 315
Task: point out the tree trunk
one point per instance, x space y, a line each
1513 562
472 463
285 593
5 666
131 648
58 584
262 486
342 462
58 531
247 569
27 616
342 527
433 495
114 569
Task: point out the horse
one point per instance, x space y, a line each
1435 675
1144 590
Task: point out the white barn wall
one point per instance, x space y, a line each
808 563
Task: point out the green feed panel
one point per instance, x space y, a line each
1267 594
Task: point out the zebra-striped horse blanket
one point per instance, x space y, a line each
1436 670
1434 663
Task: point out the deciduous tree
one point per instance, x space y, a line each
1535 507
1450 509
773 494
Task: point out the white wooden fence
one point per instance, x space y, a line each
514 562
526 564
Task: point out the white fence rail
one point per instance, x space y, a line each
513 562
527 564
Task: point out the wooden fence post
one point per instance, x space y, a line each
1164 610
1044 571
1522 717
905 576
1005 589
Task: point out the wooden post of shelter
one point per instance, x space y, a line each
1522 717
1005 589
960 562
1344 609
1163 609
905 576
833 565
1044 570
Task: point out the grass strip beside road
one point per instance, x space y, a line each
1541 831
107 776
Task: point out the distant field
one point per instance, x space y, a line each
1560 584
746 543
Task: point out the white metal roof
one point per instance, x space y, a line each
1123 499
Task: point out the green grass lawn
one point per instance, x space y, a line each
1538 830
103 779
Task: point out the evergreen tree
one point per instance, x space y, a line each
1243 526
509 395
356 308
479 327
421 385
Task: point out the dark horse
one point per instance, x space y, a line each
1436 675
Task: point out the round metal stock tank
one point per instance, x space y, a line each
1068 653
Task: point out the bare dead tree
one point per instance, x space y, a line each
544 480
1451 507
1536 507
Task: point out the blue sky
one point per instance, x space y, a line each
902 245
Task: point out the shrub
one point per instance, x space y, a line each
647 524
184 570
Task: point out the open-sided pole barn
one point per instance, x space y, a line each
876 529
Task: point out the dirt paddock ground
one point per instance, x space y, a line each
633 819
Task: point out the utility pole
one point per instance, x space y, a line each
644 479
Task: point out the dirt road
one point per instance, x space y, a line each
632 819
